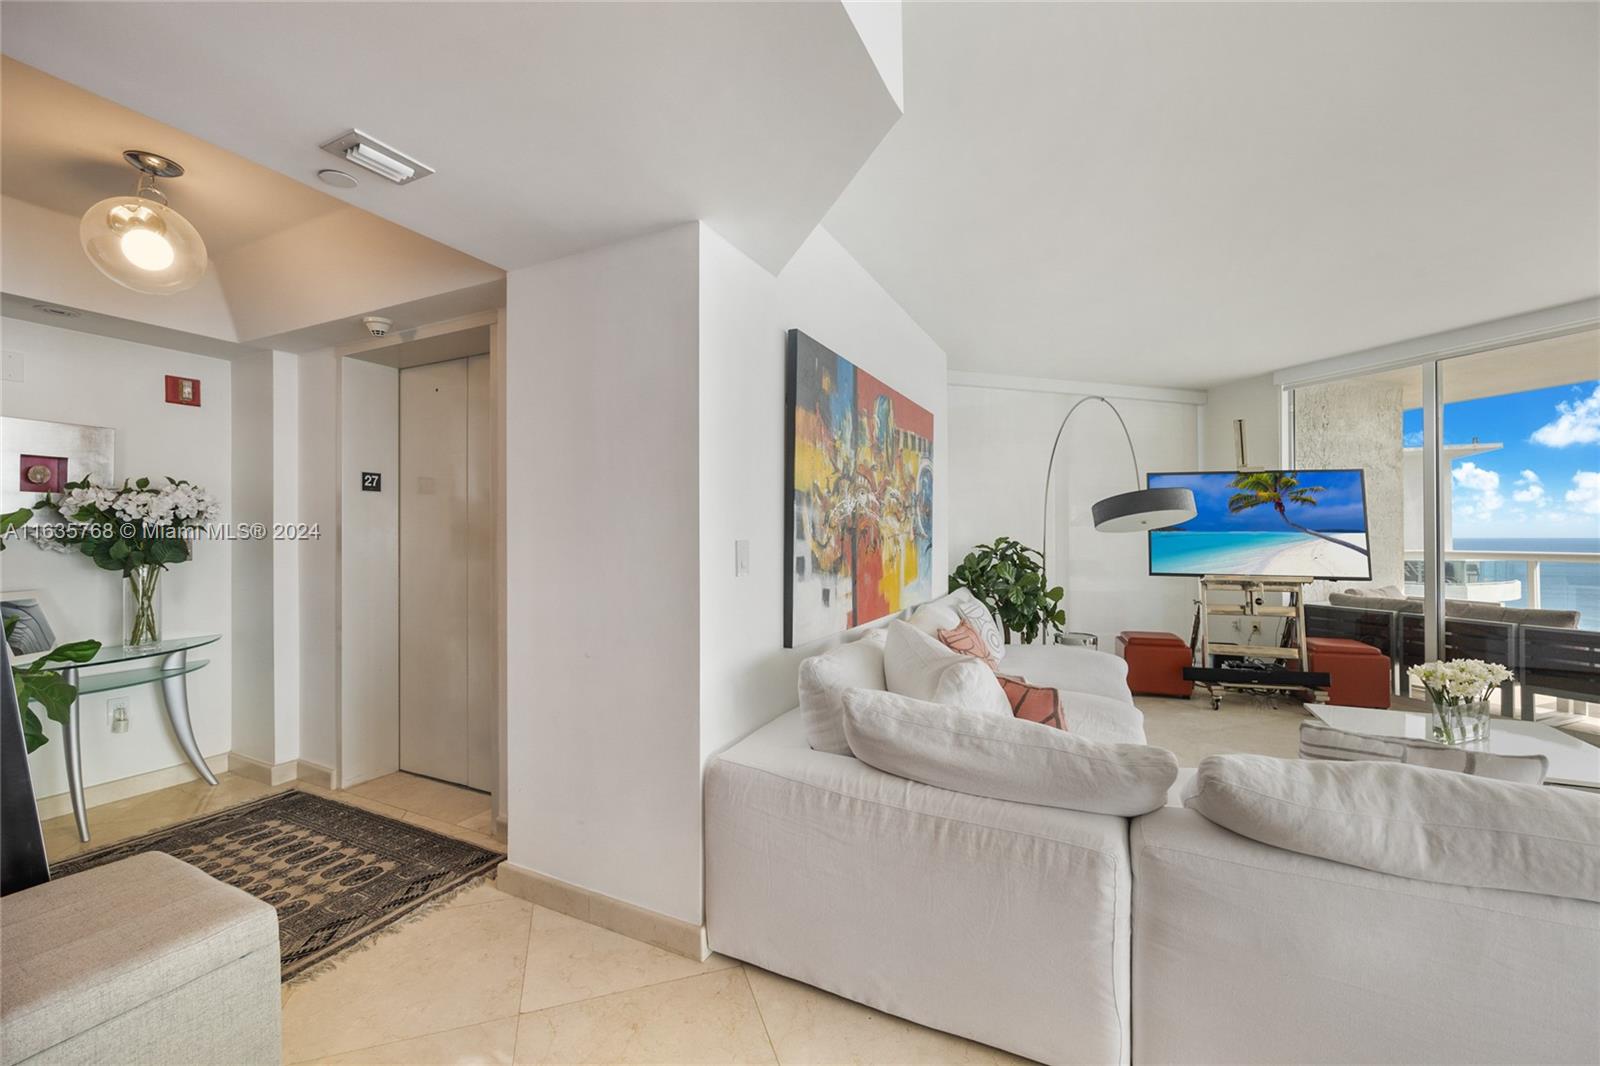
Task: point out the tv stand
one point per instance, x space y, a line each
1239 596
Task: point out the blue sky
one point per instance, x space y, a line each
1338 509
1545 479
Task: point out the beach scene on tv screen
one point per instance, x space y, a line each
1266 523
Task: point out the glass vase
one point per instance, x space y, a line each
141 605
1458 723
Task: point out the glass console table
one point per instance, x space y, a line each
165 663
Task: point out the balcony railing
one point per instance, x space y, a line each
1467 575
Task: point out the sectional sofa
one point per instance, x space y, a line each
1067 936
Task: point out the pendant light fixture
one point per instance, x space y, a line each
138 240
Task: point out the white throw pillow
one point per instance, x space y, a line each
1431 825
972 684
935 615
1004 757
973 610
825 678
913 662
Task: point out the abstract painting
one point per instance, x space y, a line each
859 496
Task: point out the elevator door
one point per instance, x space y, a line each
447 611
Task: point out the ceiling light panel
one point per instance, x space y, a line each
386 162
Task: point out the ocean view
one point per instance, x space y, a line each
1562 586
1264 553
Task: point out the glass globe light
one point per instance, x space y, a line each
139 241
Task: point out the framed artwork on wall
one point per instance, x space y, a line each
859 496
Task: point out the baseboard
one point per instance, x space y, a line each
316 774
673 934
126 787
264 773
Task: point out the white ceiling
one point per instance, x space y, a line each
1187 194
553 127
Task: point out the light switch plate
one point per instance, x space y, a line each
741 558
12 363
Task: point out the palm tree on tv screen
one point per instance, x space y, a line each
1280 487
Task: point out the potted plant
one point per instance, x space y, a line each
138 530
1458 697
1008 578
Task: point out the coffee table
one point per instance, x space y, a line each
1572 762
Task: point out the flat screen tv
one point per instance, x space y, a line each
1267 523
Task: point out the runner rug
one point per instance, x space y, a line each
337 874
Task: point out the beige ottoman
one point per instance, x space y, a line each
146 960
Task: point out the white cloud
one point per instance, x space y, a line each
1478 496
1584 496
1530 490
1576 423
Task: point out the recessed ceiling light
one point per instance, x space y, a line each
337 178
369 152
139 241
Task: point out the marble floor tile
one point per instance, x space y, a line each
570 960
711 1018
450 829
482 822
423 795
452 967
807 1025
484 891
388 810
121 819
488 1042
230 791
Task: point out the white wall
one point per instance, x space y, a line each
1000 447
369 573
747 678
286 555
87 379
320 469
602 677
1257 400
254 589
646 388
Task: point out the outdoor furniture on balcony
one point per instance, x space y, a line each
1564 663
1556 660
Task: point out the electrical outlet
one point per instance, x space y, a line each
117 714
741 558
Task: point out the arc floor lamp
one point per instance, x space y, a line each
1126 512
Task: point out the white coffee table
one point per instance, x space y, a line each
1572 762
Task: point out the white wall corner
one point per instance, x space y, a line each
286 552
879 24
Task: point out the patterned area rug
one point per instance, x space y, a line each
336 873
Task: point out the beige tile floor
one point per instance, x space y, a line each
488 978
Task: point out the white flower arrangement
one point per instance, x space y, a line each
1460 680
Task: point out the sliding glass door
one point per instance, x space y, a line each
1483 489
1520 517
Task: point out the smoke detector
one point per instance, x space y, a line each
378 327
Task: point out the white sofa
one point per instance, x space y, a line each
1073 937
1007 923
1246 953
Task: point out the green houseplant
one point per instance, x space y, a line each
36 683
1008 578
